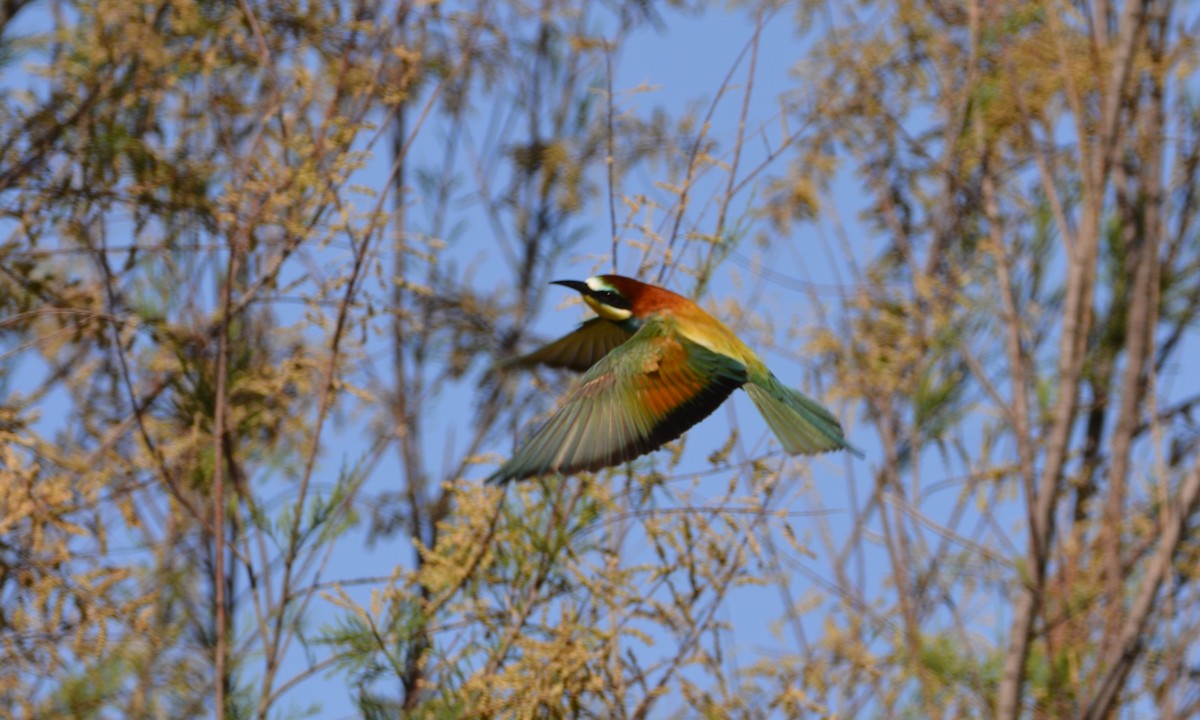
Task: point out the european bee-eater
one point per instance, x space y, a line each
656 365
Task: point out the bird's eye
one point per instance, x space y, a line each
611 298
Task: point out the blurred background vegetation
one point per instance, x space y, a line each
261 262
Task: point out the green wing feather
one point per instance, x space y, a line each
801 424
645 393
580 349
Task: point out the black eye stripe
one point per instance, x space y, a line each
612 299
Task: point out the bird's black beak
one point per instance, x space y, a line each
580 287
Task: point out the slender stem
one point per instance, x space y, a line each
220 650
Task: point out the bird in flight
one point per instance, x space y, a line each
656 364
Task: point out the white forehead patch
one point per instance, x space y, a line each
597 284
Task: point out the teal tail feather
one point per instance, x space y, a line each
801 424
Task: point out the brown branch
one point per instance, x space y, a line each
668 261
221 679
1125 652
273 648
1076 320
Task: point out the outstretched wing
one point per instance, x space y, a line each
580 349
645 393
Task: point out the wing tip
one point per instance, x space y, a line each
499 478
842 446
